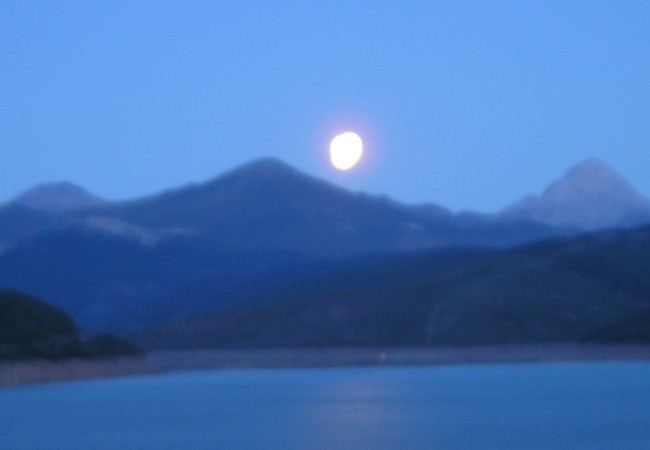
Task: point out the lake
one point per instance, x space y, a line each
500 406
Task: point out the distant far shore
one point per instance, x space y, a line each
391 356
30 372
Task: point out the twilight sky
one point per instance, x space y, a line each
468 104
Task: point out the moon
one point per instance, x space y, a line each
346 150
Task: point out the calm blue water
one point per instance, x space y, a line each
559 405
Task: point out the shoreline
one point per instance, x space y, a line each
19 373
174 360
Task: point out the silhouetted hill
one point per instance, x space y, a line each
30 328
553 291
590 196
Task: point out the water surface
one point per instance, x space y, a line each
558 405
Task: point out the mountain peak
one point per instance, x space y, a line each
591 163
593 170
263 166
57 197
260 175
593 180
591 195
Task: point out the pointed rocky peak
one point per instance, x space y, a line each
591 195
57 197
590 166
595 181
593 174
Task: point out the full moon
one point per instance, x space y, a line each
345 150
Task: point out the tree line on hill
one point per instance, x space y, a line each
591 288
33 329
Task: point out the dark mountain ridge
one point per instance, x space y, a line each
560 290
110 281
268 204
18 223
119 266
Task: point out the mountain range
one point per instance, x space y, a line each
126 265
589 288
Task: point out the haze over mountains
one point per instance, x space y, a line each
264 226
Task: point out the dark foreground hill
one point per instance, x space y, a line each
565 290
32 329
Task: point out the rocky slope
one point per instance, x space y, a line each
590 196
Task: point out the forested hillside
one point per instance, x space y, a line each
563 290
32 329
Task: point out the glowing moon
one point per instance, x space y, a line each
345 150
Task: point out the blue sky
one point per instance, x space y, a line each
469 105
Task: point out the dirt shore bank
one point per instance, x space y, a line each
28 372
